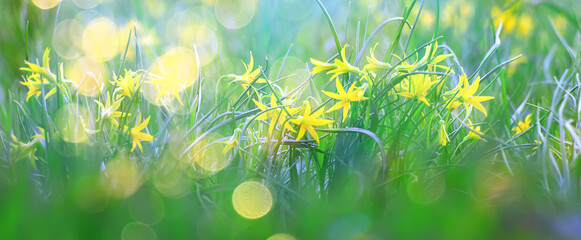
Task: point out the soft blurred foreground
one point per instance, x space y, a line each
290 119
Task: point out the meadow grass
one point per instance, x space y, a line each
344 120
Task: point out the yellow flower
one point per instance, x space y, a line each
21 150
39 136
525 25
34 84
127 84
137 136
43 70
538 142
109 110
232 141
322 66
345 98
560 23
428 59
402 86
466 95
39 76
168 86
306 121
250 75
343 66
522 126
275 114
419 85
442 135
473 134
405 67
509 20
373 64
457 14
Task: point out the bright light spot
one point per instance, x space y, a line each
235 14
46 4
147 38
155 7
138 231
121 178
100 40
169 179
87 4
205 40
67 32
210 157
252 200
176 71
146 207
72 121
88 75
281 236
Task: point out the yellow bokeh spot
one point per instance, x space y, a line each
121 178
72 121
170 180
281 236
67 39
147 38
138 231
525 25
100 39
88 74
560 23
427 18
205 40
507 17
46 4
175 71
210 157
156 7
87 4
235 14
252 200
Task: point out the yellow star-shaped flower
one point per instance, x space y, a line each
472 135
522 126
354 94
137 136
127 84
248 77
306 121
232 141
39 76
275 114
418 87
466 95
109 110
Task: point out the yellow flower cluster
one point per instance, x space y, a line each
126 86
